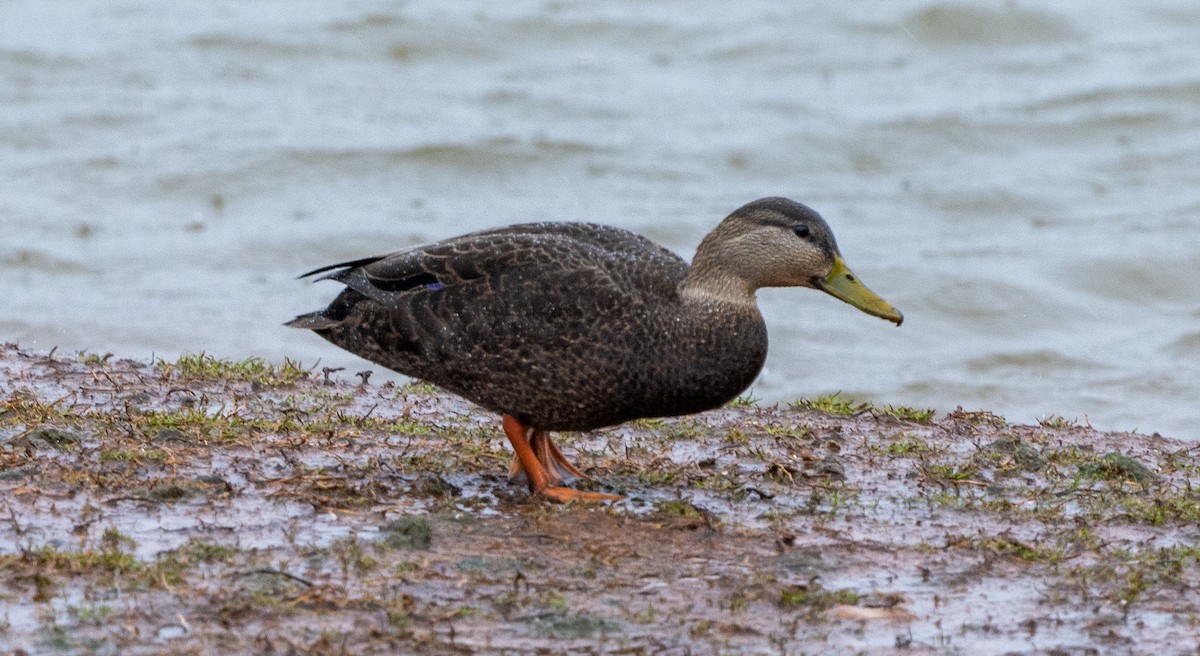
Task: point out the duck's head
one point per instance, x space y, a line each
776 242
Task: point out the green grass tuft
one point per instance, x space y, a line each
832 404
1055 422
746 400
815 597
251 370
905 413
1118 468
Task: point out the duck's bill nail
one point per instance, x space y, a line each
841 283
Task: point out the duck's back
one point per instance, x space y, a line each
566 326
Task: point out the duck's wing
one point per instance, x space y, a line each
449 281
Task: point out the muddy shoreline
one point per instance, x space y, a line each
213 507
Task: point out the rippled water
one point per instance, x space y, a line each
1022 179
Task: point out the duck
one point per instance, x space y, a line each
570 326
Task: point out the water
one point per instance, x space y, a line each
1021 179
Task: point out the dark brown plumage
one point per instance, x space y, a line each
575 326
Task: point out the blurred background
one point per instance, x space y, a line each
1022 179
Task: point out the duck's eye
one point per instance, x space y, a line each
802 231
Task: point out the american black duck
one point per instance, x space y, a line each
576 326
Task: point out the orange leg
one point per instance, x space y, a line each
556 458
535 472
557 467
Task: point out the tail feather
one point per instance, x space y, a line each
313 321
342 265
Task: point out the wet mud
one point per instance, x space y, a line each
213 507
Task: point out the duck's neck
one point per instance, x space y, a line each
708 282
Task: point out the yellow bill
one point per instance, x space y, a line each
841 283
